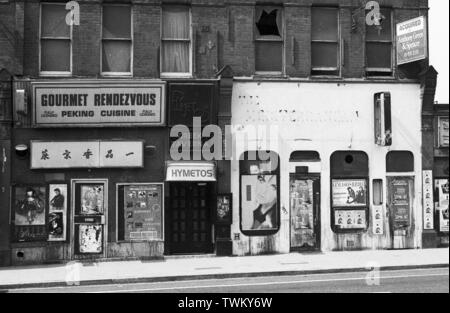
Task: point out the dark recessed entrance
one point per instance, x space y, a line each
189 218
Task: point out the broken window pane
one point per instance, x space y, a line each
269 21
382 32
269 56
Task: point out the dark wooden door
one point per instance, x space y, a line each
190 218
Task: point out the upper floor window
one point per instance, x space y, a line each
117 40
176 50
379 46
325 52
55 40
269 40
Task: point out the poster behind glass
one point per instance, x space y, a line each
223 209
349 192
400 201
350 219
90 238
442 204
57 215
29 213
143 212
302 213
92 199
259 199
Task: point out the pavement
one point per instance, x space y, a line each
201 268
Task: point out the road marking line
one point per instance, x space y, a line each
263 284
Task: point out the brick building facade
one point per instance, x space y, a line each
213 55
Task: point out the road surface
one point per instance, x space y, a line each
398 281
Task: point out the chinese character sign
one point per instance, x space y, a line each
86 154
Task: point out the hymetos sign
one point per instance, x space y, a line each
98 103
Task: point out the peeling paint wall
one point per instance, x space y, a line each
325 117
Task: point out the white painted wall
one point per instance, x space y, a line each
323 117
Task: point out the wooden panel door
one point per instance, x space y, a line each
190 218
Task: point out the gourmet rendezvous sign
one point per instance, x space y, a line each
98 103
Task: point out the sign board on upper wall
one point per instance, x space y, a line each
97 103
412 41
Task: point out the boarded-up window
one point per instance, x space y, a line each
176 40
117 39
379 46
56 43
269 39
325 41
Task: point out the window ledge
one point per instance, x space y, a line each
55 74
177 75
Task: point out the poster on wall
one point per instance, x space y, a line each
92 199
442 204
223 209
143 212
57 213
90 239
350 219
349 192
29 213
378 221
400 201
443 132
259 201
428 210
302 214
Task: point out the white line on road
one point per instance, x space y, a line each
264 284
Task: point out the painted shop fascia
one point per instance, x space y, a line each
337 186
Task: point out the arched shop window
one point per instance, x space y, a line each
400 162
349 191
259 181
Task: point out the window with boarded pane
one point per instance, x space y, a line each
325 53
379 46
176 41
117 40
55 40
269 40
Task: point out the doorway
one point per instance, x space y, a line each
189 222
90 208
304 212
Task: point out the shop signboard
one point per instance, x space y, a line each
87 154
92 103
190 171
412 41
141 212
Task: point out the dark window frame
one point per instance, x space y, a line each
328 71
270 39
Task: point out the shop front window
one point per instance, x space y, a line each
117 42
55 40
349 191
259 194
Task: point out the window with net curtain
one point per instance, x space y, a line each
55 39
116 39
176 40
